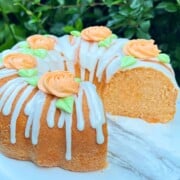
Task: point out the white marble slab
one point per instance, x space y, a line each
137 151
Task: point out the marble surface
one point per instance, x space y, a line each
137 151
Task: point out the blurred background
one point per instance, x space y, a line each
156 19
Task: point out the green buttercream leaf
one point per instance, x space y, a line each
75 33
108 41
113 36
78 80
103 44
41 53
1 60
127 61
24 44
46 35
26 51
164 58
27 72
32 80
65 104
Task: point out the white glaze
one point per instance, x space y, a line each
112 68
79 110
51 113
56 62
17 111
111 53
97 118
67 49
5 86
28 127
9 90
61 119
29 111
38 107
8 105
7 72
89 54
66 119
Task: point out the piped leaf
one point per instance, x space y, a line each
65 104
26 50
77 80
164 58
27 72
32 80
41 53
127 61
1 60
108 41
113 36
75 33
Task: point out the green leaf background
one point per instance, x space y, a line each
157 19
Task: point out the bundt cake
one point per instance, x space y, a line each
50 112
132 77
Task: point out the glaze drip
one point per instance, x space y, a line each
97 118
8 105
66 119
7 72
80 117
17 111
36 116
51 114
8 89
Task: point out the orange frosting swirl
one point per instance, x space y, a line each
141 48
58 83
95 33
41 42
19 61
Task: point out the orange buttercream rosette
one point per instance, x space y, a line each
95 33
141 48
19 61
58 83
41 42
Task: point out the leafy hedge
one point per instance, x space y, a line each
157 19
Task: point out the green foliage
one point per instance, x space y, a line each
157 19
